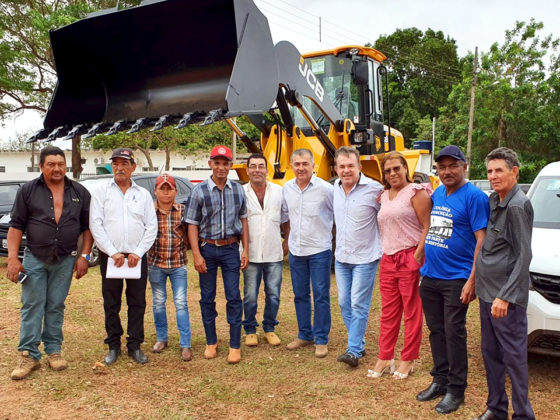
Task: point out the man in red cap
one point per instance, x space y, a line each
167 258
217 219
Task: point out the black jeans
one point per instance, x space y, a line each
446 320
135 300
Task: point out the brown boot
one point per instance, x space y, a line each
26 365
211 351
56 362
298 343
186 354
234 356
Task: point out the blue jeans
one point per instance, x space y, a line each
226 257
314 269
271 272
178 279
42 297
355 287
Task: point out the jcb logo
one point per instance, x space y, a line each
311 80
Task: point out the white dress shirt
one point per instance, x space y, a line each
120 222
357 233
310 212
265 239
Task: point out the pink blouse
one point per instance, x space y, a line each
397 220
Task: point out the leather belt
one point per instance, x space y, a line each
221 242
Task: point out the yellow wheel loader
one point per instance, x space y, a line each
177 62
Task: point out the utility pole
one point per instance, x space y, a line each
319 28
471 113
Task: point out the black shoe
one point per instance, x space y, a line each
487 415
349 359
112 356
449 403
138 356
432 392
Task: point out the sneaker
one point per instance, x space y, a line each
26 365
251 340
349 359
321 350
56 361
297 343
272 338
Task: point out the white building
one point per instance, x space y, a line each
17 165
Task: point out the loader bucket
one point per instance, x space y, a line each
163 58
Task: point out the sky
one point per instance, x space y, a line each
470 23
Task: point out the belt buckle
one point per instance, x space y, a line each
217 242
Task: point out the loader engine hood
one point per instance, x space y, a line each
170 57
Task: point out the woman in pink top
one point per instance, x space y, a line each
404 219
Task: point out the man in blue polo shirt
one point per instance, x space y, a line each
216 214
457 229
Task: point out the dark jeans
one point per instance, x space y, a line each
226 257
136 303
446 320
504 347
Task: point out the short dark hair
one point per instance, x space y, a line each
256 156
347 151
50 151
506 154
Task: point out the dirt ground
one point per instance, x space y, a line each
270 382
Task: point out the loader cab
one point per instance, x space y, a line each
349 76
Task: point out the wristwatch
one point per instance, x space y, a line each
86 256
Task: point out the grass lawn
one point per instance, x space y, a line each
270 382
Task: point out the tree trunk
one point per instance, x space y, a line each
501 130
167 158
146 152
76 157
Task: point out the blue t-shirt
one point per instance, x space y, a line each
450 242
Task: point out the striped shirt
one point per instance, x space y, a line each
169 249
217 213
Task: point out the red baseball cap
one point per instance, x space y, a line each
165 179
221 151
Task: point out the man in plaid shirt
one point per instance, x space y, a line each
217 220
167 258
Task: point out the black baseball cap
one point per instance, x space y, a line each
124 153
451 151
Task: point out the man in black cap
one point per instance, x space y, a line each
124 225
457 229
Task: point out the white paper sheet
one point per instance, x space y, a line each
124 271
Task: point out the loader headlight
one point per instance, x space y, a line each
359 137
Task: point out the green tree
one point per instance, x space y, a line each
516 103
423 68
27 71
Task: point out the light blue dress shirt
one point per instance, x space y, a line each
310 212
357 233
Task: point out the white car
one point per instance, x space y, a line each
543 310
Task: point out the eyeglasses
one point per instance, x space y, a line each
388 171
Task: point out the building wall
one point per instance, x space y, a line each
17 165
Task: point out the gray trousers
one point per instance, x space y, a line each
504 348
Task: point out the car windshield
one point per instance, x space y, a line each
93 183
8 194
545 198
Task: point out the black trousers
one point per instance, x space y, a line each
446 320
504 347
135 300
